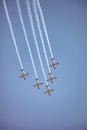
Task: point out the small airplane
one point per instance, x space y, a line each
54 64
48 91
38 83
51 78
23 74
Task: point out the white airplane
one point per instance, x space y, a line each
48 91
38 84
54 64
51 78
23 74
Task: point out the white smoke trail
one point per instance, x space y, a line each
26 38
35 39
44 26
12 33
40 32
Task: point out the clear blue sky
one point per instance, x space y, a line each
23 107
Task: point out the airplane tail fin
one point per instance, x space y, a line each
22 69
57 63
50 73
37 79
53 59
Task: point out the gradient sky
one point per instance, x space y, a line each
23 107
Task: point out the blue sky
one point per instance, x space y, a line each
23 107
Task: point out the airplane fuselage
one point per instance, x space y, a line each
48 91
54 64
51 79
38 85
23 74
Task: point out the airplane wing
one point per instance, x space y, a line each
48 79
38 84
51 79
51 65
51 90
46 92
35 85
26 74
20 76
24 78
54 78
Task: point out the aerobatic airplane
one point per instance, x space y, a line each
54 64
23 74
48 91
38 84
51 78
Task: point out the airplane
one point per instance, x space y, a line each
53 63
51 78
38 83
23 74
48 91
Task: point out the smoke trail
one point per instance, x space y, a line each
44 26
26 38
12 33
35 39
40 32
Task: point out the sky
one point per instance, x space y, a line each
23 107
